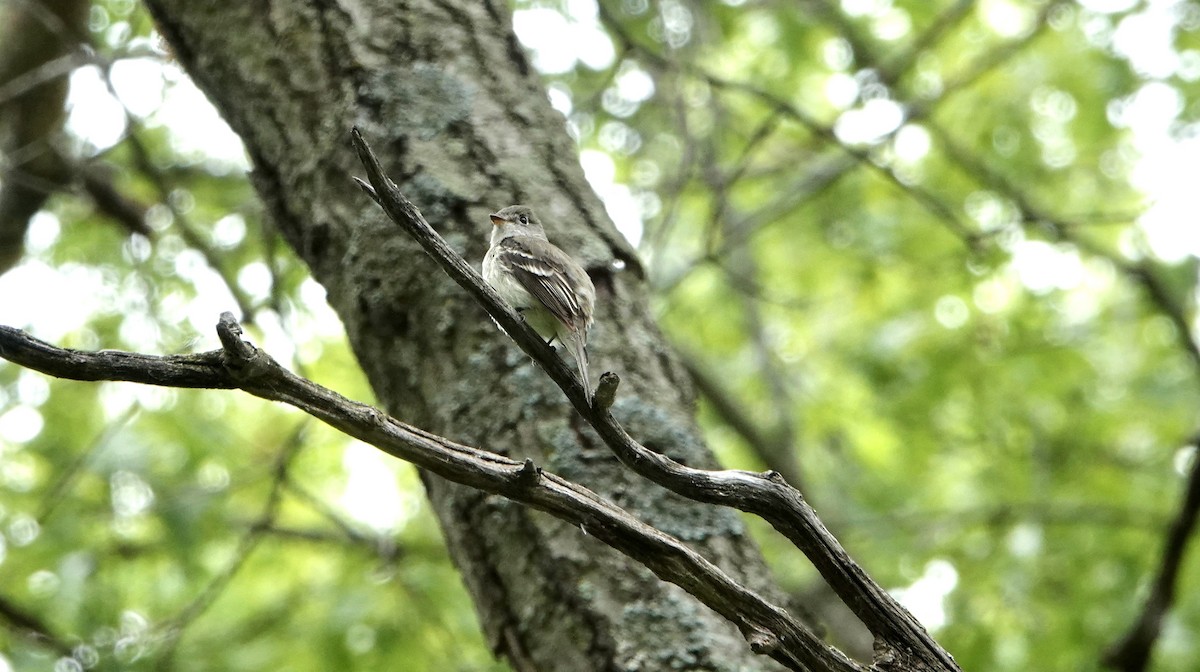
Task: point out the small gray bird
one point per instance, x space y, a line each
548 287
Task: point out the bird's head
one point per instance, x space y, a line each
516 220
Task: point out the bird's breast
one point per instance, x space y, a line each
504 283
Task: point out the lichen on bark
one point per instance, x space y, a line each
459 118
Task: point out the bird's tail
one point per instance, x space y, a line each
578 348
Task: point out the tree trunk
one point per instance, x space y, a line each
445 94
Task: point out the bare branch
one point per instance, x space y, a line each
903 640
892 69
773 447
1059 229
126 211
68 476
831 167
177 626
52 69
769 629
30 626
188 230
1132 652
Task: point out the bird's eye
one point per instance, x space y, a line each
524 219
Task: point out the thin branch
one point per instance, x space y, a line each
187 229
861 42
892 69
755 290
656 239
1061 230
774 373
1132 652
774 448
31 627
67 477
902 639
239 365
46 72
126 211
1003 515
381 547
385 546
177 626
846 157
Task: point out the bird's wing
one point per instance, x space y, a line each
546 275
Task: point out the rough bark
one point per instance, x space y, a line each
447 94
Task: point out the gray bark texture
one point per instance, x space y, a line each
446 96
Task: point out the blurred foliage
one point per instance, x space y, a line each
906 238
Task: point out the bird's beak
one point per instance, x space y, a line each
497 220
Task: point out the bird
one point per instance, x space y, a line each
549 288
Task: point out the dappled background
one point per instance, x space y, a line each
934 262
